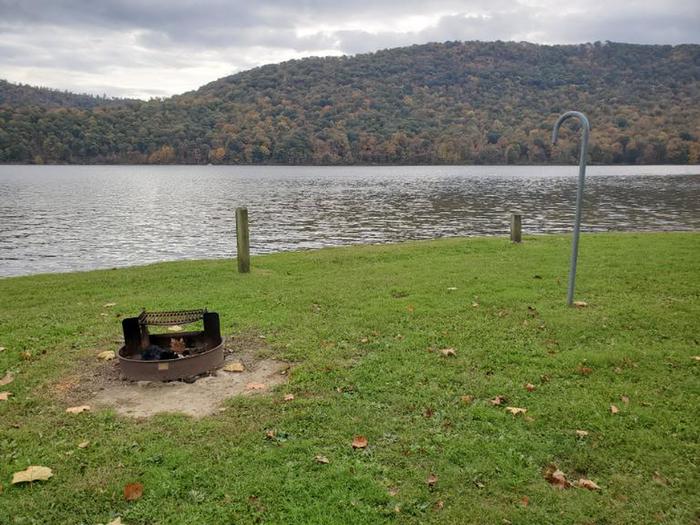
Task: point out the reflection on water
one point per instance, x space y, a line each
64 218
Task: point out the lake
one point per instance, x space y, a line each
68 218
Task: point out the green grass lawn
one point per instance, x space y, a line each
364 326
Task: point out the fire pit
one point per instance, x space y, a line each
169 356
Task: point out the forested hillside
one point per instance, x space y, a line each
473 102
22 95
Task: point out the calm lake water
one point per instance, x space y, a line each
67 218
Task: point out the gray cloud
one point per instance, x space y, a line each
146 48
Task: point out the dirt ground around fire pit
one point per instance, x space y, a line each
102 386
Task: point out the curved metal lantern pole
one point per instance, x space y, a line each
585 131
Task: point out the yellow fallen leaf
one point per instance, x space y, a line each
107 355
116 521
255 386
475 305
289 397
530 387
451 288
84 444
175 328
9 377
5 395
359 442
582 433
78 410
234 367
447 352
2 348
614 409
695 357
586 484
321 459
32 473
515 410
580 304
109 305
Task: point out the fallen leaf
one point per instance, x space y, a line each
475 305
479 484
107 355
556 477
428 413
321 459
359 442
236 366
586 484
116 521
410 308
660 479
432 480
78 409
178 345
393 491
451 288
133 491
255 386
448 352
582 433
614 409
5 395
26 355
515 410
2 349
439 505
175 328
84 444
9 377
109 305
289 397
580 304
584 370
270 434
524 501
530 387
467 400
498 400
625 400
695 357
32 473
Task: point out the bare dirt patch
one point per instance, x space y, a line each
101 386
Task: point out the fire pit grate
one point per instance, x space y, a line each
165 357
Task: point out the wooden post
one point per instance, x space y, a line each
242 240
516 227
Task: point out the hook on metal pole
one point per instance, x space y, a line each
585 132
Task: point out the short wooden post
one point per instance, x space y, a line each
516 227
242 240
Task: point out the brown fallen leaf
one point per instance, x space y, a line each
584 370
116 521
410 308
432 480
447 352
515 410
498 400
84 444
359 442
530 387
556 477
659 478
107 355
7 379
270 434
580 304
32 473
289 397
323 460
625 400
586 484
582 433
614 409
439 505
178 345
5 395
78 410
255 386
236 366
364 340
467 400
428 413
524 501
175 328
133 491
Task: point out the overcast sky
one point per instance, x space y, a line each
142 48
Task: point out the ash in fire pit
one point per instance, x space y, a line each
165 357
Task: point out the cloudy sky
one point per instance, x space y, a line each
142 48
